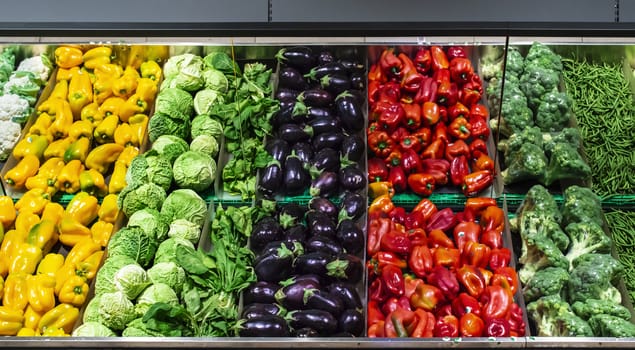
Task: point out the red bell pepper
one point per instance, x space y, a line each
497 301
427 92
447 327
477 148
399 133
373 91
395 158
471 325
477 204
382 259
426 207
377 228
391 116
496 327
427 297
458 110
424 136
410 142
466 231
483 162
420 260
476 182
500 257
399 323
380 143
493 218
444 310
389 92
393 303
465 304
442 278
421 183
414 220
377 170
376 330
410 78
425 324
377 290
438 238
487 275
379 188
375 74
430 113
374 314
443 220
479 128
459 168
517 326
411 162
440 178
390 64
439 58
455 149
461 70
506 274
459 128
471 91
472 280
435 150
393 280
441 76
492 238
479 111
456 51
397 176
423 61
417 235
411 282
430 164
465 216
413 115
380 207
398 215
476 254
448 257
447 93
396 241
440 132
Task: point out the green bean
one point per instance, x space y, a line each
622 227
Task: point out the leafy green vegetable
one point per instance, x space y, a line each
215 80
194 170
185 204
239 172
185 229
116 310
205 144
204 100
91 312
166 252
104 279
151 221
167 319
131 280
155 293
204 124
184 72
135 197
169 273
134 243
176 103
170 147
163 124
93 329
150 167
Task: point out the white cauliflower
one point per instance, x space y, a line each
38 66
9 135
13 108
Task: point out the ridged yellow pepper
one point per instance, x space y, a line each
1 286
80 252
97 56
25 221
102 156
45 177
57 148
92 114
88 268
74 291
92 182
78 149
105 132
108 210
151 70
118 177
31 144
63 274
68 178
133 105
125 136
138 54
67 57
83 207
50 264
41 127
27 257
32 318
125 85
33 201
41 182
81 128
52 212
63 120
11 321
102 89
139 124
41 292
110 71
4 269
101 232
63 316
12 240
55 332
7 211
15 292
111 106
72 231
26 167
128 154
60 90
80 92
26 332
147 90
43 235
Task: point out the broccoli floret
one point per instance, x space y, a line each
610 326
566 163
515 62
586 309
592 277
534 221
554 111
567 135
553 317
515 115
515 141
542 55
586 237
581 204
528 163
538 251
537 81
539 200
548 281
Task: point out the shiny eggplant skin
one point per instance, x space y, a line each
320 224
335 83
293 133
346 267
353 66
270 178
279 149
322 300
325 124
352 206
300 57
274 266
305 332
310 277
353 148
347 292
323 244
325 206
320 320
291 78
265 326
264 231
296 179
324 56
296 247
312 263
316 97
290 214
289 112
318 113
350 236
291 296
351 321
255 310
330 139
349 109
358 81
260 292
304 151
325 185
283 94
352 177
297 232
326 159
330 68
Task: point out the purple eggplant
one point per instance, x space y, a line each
260 292
284 95
352 177
358 81
296 178
316 97
255 310
351 321
270 178
274 265
325 185
304 151
312 278
265 326
290 214
323 244
313 113
288 114
322 300
312 263
291 78
324 56
293 133
305 332
278 148
325 124
320 320
350 111
264 231
291 296
331 68
300 57
326 159
324 205
330 139
297 232
352 206
347 292
346 267
353 148
350 236
320 224
335 83
353 66
296 247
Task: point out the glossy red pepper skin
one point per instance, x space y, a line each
496 327
448 257
422 184
414 220
447 326
447 93
483 162
493 239
477 204
465 303
390 64
382 259
430 113
398 215
455 149
376 330
427 92
459 168
393 303
442 278
424 135
375 73
417 236
476 254
517 326
440 178
461 70
471 325
395 158
497 301
500 257
425 324
472 280
466 231
477 148
443 220
426 297
399 323
458 110
420 261
373 90
377 228
493 218
393 280
506 276
430 165
399 133
380 143
411 282
412 115
479 111
456 51
410 78
380 207
435 150
476 182
377 170
437 238
439 58
423 61
377 290
411 162
396 241
410 142
459 128
471 92
479 128
391 116
374 314
426 207
397 176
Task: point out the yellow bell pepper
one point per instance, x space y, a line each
92 114
57 148
118 177
68 178
55 332
1 286
125 136
102 90
80 252
41 182
25 260
41 293
81 128
33 200
50 264
52 212
83 207
26 332
78 149
67 57
111 106
151 70
63 120
125 85
80 92
32 318
12 240
97 56
41 127
92 182
15 292
43 235
74 291
7 211
88 268
105 131
26 167
31 144
138 54
25 221
60 90
63 274
11 321
108 210
4 269
46 176
72 231
147 90
63 316
110 71
101 232
139 124
65 74
133 105
128 154
102 156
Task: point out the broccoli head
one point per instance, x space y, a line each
567 135
515 62
581 204
542 55
566 163
528 163
538 251
610 326
548 281
537 81
539 200
515 114
586 309
554 111
586 237
553 317
534 221
592 277
516 140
